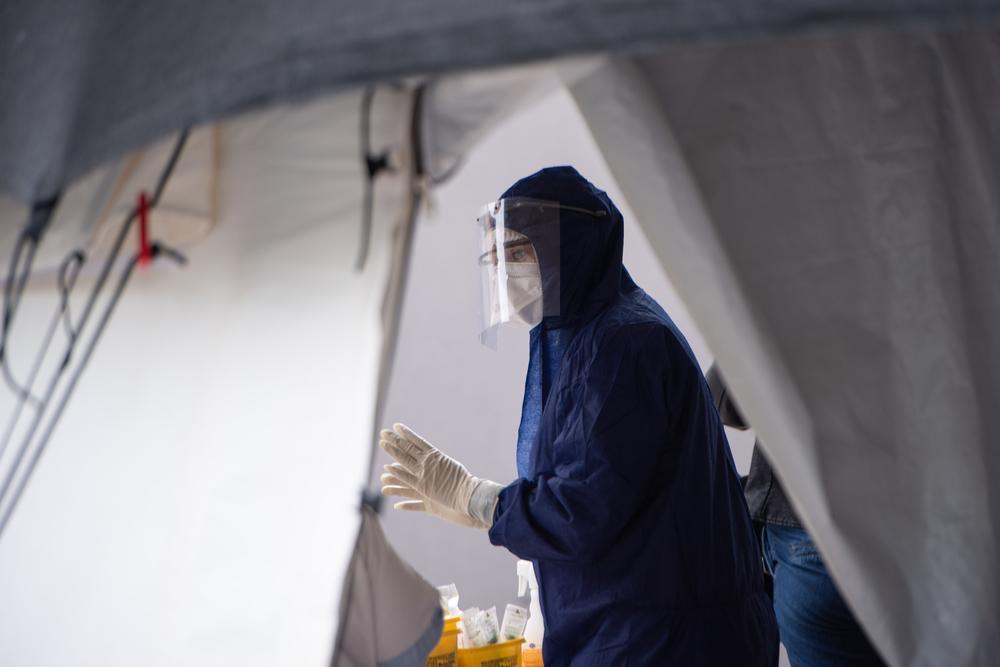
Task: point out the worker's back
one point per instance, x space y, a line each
676 579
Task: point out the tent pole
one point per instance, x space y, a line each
392 304
391 312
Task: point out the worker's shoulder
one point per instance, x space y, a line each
626 326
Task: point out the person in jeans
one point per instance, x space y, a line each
815 624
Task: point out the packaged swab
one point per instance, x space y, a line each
491 627
514 620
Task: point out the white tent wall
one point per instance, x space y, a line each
827 204
198 504
462 396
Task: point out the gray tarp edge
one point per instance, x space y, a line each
82 82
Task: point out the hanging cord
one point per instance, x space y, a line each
373 164
67 280
154 250
71 345
13 291
27 241
40 404
448 173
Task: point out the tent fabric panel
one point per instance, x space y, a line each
199 502
393 617
116 78
840 259
462 108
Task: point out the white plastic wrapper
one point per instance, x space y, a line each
449 599
491 626
480 628
514 620
470 627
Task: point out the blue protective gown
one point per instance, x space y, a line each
628 501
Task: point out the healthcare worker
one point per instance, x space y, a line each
627 501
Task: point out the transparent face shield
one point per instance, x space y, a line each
518 263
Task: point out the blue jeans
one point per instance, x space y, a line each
816 627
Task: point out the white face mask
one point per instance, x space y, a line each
524 294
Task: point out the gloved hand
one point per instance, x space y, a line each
434 482
392 485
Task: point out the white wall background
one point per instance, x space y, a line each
463 397
198 503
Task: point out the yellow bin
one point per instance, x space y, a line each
445 653
531 657
505 654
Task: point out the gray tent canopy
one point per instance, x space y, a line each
83 82
830 216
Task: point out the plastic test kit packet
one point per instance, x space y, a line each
490 625
470 628
480 628
514 620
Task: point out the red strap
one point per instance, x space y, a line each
145 252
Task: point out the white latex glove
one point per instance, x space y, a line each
393 486
434 482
